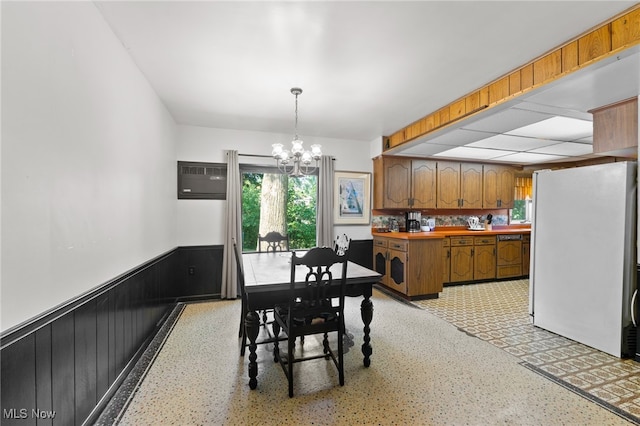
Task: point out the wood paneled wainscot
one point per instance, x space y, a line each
409 267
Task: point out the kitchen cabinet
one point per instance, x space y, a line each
390 258
446 260
497 186
461 259
526 254
412 268
404 183
484 258
459 185
509 256
473 258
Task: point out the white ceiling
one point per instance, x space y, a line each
367 68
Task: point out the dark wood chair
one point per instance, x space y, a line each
341 244
312 310
242 334
275 242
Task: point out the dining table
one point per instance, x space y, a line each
267 283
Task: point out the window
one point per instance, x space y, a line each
522 203
273 201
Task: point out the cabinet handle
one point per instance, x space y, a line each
448 254
472 251
494 251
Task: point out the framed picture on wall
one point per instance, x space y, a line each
351 198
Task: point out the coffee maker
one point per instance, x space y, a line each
412 221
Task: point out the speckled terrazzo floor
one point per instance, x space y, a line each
424 371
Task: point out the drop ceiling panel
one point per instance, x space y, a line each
512 143
557 128
566 148
529 158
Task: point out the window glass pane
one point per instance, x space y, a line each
272 201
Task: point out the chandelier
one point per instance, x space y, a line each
296 162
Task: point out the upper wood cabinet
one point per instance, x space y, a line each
459 185
404 183
498 187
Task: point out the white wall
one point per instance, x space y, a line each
201 222
88 159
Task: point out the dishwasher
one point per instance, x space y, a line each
509 255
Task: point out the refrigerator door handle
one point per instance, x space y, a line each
633 302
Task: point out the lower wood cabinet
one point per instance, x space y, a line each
412 268
484 258
509 256
472 258
446 260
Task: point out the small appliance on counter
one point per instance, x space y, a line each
428 224
412 221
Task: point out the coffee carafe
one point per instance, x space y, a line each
412 221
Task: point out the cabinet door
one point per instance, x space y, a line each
448 185
490 186
461 263
470 186
397 182
446 260
484 262
506 187
423 181
380 262
498 187
397 271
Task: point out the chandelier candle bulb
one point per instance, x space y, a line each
301 159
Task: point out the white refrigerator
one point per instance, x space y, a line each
583 252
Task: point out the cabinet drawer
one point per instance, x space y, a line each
526 238
446 242
484 241
461 241
398 245
509 271
378 242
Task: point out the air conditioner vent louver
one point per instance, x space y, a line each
203 181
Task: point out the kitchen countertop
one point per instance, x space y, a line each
443 232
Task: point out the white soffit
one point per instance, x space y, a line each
424 149
464 152
459 137
506 120
558 128
512 143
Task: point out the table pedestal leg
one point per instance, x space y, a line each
366 311
252 326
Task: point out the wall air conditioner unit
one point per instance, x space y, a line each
202 181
